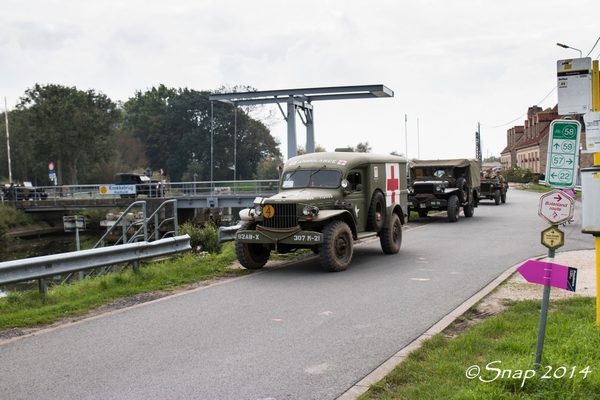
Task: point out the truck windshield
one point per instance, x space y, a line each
311 178
433 172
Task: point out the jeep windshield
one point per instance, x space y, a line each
304 178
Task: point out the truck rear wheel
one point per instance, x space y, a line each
469 209
251 255
391 238
337 247
453 208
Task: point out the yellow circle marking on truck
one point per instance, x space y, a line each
268 211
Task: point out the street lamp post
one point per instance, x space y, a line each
564 46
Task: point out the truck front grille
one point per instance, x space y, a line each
486 187
284 217
423 188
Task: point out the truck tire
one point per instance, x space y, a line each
391 238
453 208
336 250
463 193
422 213
469 209
376 215
251 255
497 196
503 197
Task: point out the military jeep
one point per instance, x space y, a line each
327 201
493 189
444 185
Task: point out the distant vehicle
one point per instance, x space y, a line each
444 185
144 185
24 191
493 189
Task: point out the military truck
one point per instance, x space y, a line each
493 189
326 201
444 185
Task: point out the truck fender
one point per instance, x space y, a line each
339 215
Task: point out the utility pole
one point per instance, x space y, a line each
7 142
406 134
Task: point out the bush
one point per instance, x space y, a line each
203 238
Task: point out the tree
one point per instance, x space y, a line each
267 168
362 147
176 128
73 127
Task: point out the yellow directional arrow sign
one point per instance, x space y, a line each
553 238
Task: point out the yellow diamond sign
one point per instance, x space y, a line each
553 238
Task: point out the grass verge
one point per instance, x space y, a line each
30 308
498 355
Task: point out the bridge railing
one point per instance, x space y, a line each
76 193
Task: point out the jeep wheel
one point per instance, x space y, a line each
453 208
503 198
376 214
422 213
336 249
251 255
497 196
391 238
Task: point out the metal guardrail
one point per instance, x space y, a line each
64 263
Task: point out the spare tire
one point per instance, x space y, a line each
376 215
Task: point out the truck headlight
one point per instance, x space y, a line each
258 211
308 210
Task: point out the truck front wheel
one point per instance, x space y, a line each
497 196
251 255
453 208
336 250
391 238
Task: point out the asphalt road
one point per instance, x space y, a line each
293 332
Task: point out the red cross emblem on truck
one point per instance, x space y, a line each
393 183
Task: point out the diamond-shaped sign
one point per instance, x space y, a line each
556 207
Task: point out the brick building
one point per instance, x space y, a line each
527 145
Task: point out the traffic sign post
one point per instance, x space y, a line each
563 153
555 207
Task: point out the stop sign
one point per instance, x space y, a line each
556 207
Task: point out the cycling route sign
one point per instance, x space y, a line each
563 153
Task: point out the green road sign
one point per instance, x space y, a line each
563 153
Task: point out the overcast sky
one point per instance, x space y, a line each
451 64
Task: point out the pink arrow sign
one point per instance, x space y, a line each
545 273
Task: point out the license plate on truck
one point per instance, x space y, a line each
302 237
